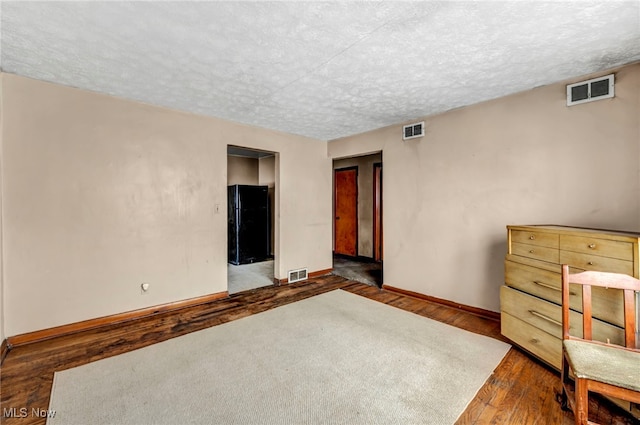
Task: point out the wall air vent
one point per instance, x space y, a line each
590 90
412 131
297 275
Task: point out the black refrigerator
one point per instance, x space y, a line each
248 209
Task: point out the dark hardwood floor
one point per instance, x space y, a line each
520 391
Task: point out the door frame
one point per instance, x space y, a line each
378 232
335 196
276 226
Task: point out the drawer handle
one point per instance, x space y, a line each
531 251
532 237
592 245
548 286
590 263
547 318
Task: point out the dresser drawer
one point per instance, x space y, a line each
550 240
542 314
595 262
536 252
541 283
532 339
600 247
547 316
607 303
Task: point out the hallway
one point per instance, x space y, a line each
368 272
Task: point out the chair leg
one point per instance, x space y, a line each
564 379
581 411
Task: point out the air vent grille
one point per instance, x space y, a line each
412 131
297 275
590 90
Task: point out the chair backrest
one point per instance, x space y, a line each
629 285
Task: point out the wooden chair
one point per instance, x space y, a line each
604 368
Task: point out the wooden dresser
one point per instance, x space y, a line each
530 302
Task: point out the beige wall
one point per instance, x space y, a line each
267 171
267 177
365 198
242 170
101 194
522 159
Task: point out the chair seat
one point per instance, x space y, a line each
608 364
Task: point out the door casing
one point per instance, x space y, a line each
377 212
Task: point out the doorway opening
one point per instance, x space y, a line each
357 218
251 183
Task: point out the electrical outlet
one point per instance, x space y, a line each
144 288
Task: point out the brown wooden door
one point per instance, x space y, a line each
377 212
346 211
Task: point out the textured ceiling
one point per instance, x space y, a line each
319 69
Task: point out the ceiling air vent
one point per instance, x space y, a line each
297 275
412 131
590 90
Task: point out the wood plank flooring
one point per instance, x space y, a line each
520 391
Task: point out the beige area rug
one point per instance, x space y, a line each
335 358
